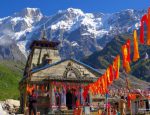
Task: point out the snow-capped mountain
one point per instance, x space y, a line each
79 32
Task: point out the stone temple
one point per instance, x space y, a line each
57 83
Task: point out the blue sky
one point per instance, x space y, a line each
49 7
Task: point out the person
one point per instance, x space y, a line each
114 111
122 106
32 103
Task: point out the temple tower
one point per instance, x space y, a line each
42 52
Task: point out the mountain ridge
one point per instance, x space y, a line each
102 59
80 32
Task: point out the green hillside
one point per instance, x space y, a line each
10 74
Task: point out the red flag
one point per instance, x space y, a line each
143 20
111 73
129 100
85 92
148 28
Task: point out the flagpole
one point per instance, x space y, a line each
106 102
127 83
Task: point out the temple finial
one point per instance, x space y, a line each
43 34
51 34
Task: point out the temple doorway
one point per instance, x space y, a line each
69 99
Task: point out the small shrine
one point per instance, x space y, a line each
57 83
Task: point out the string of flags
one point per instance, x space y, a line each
112 72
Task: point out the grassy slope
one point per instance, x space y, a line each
10 74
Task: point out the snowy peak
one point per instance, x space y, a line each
72 11
30 12
75 11
85 32
72 19
21 22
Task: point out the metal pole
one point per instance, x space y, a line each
106 103
129 90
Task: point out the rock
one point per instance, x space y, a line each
2 112
10 107
13 103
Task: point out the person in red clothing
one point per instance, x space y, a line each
77 103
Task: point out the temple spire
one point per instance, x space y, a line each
43 34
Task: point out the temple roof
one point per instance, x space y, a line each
71 59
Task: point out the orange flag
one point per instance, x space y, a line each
126 63
99 85
27 88
116 67
103 85
91 88
106 81
148 28
128 43
108 76
125 53
136 55
99 82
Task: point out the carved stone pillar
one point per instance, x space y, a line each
63 99
81 96
53 99
90 98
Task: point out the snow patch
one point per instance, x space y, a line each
74 43
22 48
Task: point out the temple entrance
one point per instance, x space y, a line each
71 99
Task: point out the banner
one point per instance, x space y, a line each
136 54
